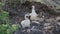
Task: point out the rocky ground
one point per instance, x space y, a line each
50 24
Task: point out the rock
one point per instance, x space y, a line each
49 20
47 24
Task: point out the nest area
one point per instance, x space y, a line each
16 14
18 11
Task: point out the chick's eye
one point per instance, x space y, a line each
26 16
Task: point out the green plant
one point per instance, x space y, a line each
4 17
5 26
8 29
1 5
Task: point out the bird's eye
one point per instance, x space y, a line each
27 16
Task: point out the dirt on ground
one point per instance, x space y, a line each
20 10
17 13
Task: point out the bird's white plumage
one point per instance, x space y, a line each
26 22
35 22
33 14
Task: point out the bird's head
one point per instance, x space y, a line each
33 6
27 16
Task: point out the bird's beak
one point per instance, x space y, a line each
29 17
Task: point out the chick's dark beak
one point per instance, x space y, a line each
28 17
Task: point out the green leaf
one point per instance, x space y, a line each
1 4
4 15
15 27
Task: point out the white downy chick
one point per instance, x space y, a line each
26 22
33 14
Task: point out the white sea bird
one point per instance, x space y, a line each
33 14
26 22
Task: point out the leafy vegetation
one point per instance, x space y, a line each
5 25
8 29
4 17
1 5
